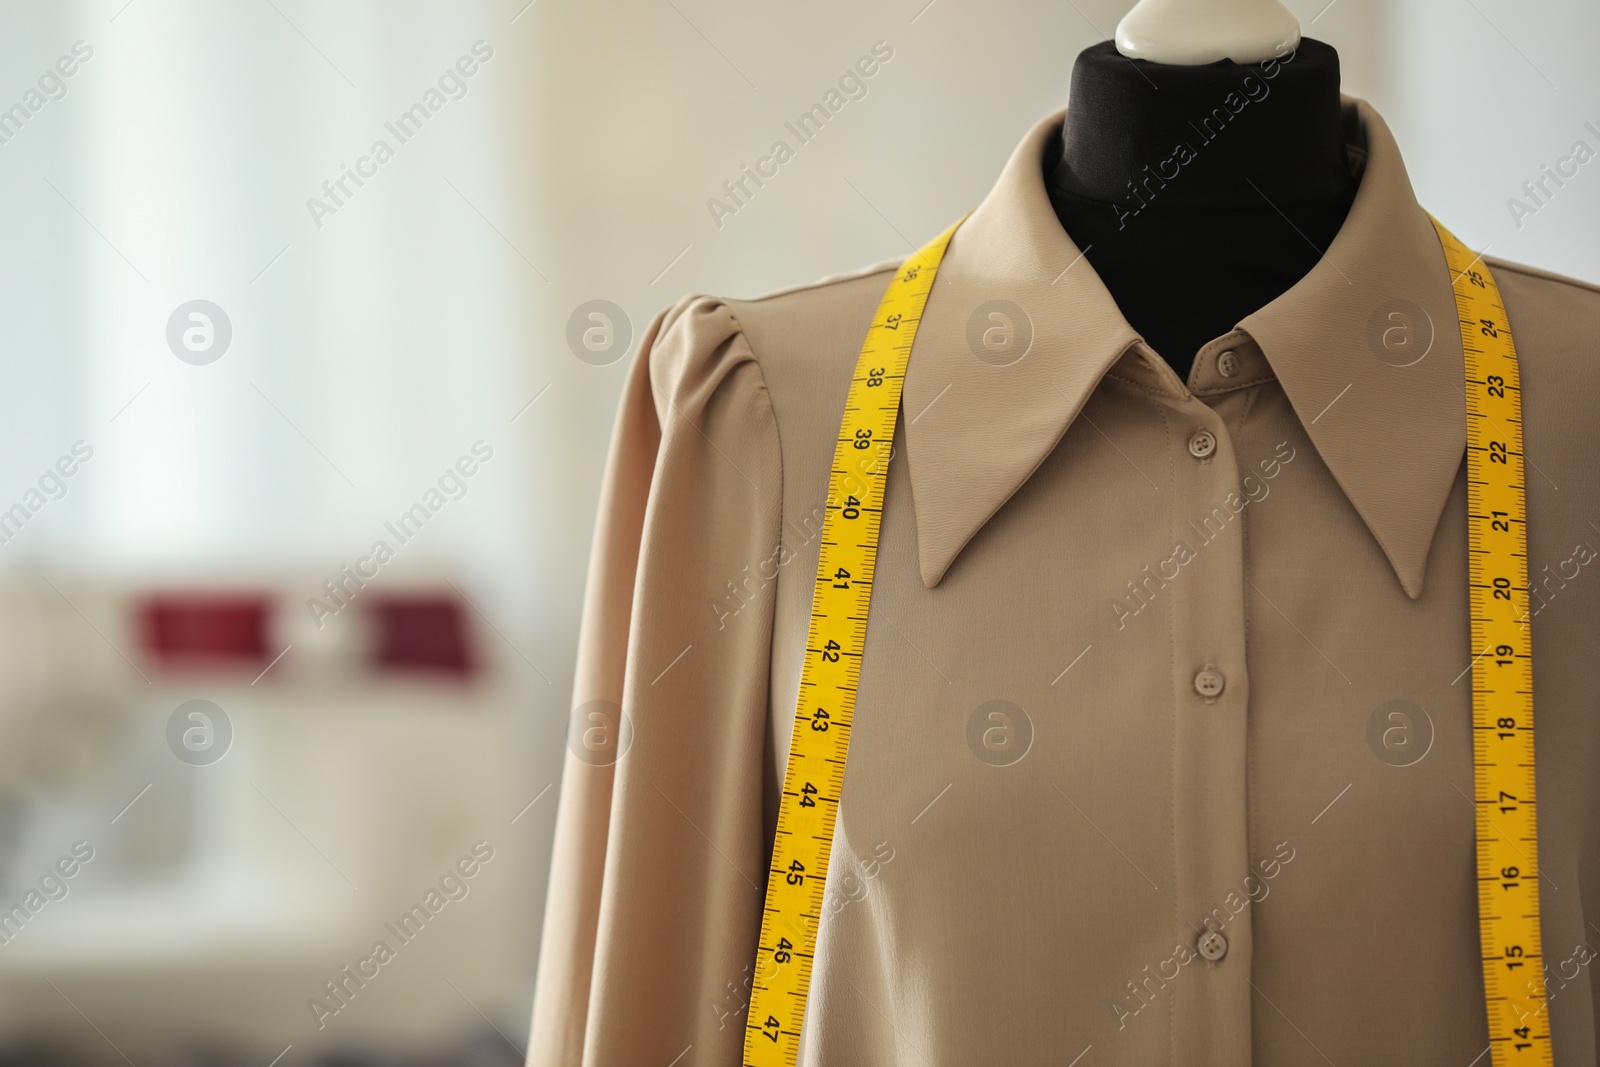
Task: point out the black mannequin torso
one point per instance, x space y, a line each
1200 194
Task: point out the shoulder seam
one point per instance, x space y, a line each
673 311
822 283
1542 275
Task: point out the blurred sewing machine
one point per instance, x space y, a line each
214 804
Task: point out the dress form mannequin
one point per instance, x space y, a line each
1200 191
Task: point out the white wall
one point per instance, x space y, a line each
1482 95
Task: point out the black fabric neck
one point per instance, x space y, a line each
1200 194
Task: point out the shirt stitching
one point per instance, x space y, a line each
1249 402
1172 748
1496 263
1252 817
1216 390
1143 388
886 267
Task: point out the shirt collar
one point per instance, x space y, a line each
1390 428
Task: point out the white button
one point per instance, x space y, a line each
1228 364
1202 444
1209 682
1212 945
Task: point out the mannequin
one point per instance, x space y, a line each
1200 191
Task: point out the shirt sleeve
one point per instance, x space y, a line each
658 873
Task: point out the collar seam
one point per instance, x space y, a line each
1219 389
1142 387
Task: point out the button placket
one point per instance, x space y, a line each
1210 695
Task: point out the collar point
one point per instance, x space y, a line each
1411 571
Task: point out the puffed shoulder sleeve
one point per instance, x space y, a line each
657 880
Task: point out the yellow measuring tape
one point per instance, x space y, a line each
1507 849
1502 671
797 876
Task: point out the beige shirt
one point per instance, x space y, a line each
1043 815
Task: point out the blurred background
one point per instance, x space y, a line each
313 318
